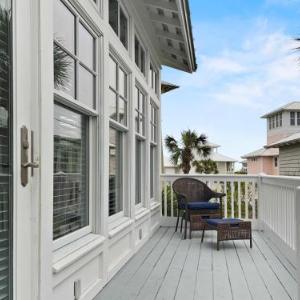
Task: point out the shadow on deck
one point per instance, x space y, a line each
168 267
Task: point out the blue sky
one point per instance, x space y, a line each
246 67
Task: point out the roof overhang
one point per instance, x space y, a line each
172 32
290 140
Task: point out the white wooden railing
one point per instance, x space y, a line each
268 201
277 198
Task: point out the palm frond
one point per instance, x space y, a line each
171 143
61 66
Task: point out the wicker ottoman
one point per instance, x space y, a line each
229 230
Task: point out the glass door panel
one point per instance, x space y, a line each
5 150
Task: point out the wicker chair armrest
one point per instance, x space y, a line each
219 195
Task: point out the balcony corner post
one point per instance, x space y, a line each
297 211
260 212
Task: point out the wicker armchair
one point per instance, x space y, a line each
193 198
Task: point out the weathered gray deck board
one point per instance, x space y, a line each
168 267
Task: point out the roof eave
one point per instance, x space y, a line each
189 33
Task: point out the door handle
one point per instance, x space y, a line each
31 165
25 163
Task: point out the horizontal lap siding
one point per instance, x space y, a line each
289 160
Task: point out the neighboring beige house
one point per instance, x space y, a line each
289 155
281 123
224 163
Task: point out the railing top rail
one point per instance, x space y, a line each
237 176
217 176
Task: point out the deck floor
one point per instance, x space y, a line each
168 267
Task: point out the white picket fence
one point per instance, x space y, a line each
268 201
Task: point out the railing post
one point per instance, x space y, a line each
297 210
260 204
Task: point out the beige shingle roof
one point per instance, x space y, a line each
262 152
288 107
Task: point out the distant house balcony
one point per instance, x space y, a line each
170 267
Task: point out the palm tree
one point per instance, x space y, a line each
206 166
182 152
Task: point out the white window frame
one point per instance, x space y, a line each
151 73
141 46
123 130
294 118
120 65
92 132
121 6
143 139
80 19
61 97
153 144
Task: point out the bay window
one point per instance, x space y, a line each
140 106
75 65
118 21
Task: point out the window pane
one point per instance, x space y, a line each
64 26
113 15
152 168
292 115
115 172
70 191
113 73
7 151
142 127
68 84
122 111
138 172
112 105
136 50
123 28
86 47
142 66
137 123
136 98
86 87
122 83
141 103
298 118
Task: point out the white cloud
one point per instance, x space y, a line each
221 64
262 72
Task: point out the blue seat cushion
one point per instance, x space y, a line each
216 222
203 205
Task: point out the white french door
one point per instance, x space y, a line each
31 150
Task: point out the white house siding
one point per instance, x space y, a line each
289 160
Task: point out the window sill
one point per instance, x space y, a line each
154 205
118 226
70 253
140 213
